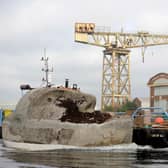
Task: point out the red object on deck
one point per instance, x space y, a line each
159 120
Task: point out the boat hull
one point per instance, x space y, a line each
155 137
35 147
0 132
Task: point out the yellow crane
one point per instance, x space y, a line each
116 86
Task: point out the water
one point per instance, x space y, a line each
119 156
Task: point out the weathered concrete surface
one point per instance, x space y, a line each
37 120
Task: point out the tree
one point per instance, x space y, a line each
129 105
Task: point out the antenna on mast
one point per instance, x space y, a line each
46 70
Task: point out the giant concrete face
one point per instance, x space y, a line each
38 120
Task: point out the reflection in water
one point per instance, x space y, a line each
110 157
158 158
75 158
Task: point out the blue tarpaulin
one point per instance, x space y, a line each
1 116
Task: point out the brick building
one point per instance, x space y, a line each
159 91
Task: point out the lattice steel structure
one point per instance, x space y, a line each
116 87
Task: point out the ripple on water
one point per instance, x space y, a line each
118 156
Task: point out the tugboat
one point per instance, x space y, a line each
150 127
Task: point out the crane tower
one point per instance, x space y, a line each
116 86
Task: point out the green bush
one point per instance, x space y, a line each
129 105
108 108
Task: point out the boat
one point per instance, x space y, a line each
150 127
3 114
41 124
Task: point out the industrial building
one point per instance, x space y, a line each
159 90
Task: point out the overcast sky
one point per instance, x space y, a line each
29 26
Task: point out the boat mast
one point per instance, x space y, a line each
46 70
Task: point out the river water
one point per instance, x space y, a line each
118 156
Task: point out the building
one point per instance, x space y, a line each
159 91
